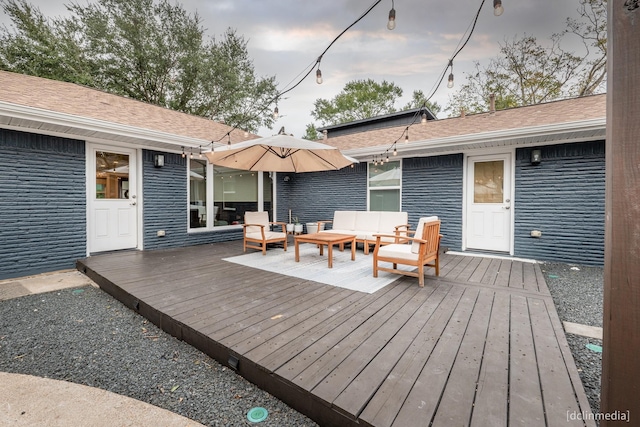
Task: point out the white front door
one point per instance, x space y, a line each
488 203
112 200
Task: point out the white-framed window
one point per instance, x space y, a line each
385 186
219 196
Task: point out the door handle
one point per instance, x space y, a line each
506 207
132 203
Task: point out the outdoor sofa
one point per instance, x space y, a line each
366 224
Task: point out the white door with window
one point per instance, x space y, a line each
112 199
488 203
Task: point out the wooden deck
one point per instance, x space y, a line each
480 346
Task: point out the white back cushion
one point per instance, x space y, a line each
344 220
367 221
261 218
415 246
389 221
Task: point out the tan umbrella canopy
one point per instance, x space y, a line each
280 153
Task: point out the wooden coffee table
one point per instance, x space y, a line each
326 239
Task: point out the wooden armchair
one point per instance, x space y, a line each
257 232
421 250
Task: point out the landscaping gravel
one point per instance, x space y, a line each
85 336
577 292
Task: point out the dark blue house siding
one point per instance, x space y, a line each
564 197
433 186
314 196
42 203
165 206
430 186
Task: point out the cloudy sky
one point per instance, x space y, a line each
286 37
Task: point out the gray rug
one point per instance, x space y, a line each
355 275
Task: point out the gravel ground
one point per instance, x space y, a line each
577 292
85 336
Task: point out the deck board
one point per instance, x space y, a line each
480 345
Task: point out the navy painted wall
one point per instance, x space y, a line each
165 206
433 186
430 186
564 197
42 203
315 196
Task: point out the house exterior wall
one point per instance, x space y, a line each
42 203
315 196
433 186
564 197
165 206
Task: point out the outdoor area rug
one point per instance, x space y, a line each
355 275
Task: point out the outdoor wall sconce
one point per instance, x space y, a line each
536 157
158 160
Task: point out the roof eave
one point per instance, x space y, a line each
558 133
36 120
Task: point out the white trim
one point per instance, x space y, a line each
483 255
499 139
511 153
146 136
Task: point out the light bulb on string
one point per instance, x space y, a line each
497 7
183 153
276 113
423 120
450 80
392 18
318 76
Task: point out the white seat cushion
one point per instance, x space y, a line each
415 246
397 251
268 235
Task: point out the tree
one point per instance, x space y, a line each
311 133
147 50
360 99
592 30
420 100
41 47
526 73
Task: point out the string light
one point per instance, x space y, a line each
183 153
498 10
200 155
392 17
276 113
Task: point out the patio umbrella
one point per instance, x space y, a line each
280 153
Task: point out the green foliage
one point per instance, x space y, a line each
527 72
360 99
311 133
152 51
419 100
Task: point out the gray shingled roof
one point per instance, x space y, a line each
542 123
55 101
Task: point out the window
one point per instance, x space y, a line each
112 175
384 186
219 196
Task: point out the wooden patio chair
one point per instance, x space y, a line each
257 232
421 250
